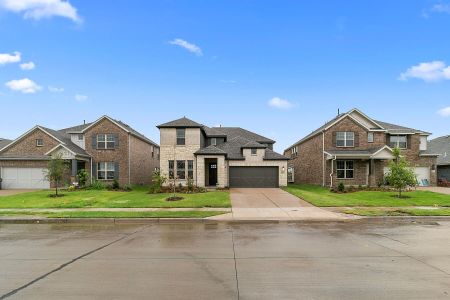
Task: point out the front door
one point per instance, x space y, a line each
212 174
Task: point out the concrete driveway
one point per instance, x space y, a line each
436 189
273 204
14 192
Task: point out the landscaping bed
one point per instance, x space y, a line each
377 212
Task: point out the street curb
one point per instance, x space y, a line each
137 221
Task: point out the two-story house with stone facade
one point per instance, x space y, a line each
107 148
355 149
219 156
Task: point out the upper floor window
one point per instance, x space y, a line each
254 151
294 151
106 141
39 142
214 141
398 141
80 137
345 139
370 137
181 136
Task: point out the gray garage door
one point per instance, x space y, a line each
254 177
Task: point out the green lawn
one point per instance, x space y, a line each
372 212
321 196
117 214
93 198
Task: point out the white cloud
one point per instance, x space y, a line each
441 8
445 112
54 89
39 9
229 81
188 46
280 103
24 85
428 71
28 66
81 98
6 58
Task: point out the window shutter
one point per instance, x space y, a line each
408 141
116 171
334 138
356 139
94 142
94 170
116 141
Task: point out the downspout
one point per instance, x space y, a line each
92 175
332 171
323 158
129 159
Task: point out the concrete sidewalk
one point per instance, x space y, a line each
274 204
435 189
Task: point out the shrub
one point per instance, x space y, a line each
83 178
341 187
400 175
115 185
158 181
127 188
97 185
190 185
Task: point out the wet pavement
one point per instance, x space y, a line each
353 260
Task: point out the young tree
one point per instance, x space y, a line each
400 173
56 170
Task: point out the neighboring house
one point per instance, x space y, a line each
441 146
4 142
355 149
219 156
106 148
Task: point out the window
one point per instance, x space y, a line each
398 141
39 142
214 141
153 152
294 151
190 169
370 137
171 169
181 169
181 136
254 151
106 141
344 169
345 139
105 171
80 137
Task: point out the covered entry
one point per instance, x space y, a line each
253 177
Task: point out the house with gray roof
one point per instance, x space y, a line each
107 149
441 146
355 150
219 156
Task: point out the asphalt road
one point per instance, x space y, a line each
218 261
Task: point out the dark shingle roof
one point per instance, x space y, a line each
233 132
65 138
272 155
75 129
4 142
212 132
253 144
213 150
355 152
441 145
24 157
392 128
136 133
183 123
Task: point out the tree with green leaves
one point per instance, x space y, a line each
400 174
56 170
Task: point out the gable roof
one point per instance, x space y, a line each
181 123
4 142
233 132
213 150
384 126
441 145
75 129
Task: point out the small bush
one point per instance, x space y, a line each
71 188
97 185
127 188
158 181
115 185
341 187
190 185
83 177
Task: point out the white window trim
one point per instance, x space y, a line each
82 137
346 139
106 169
370 137
345 169
214 141
106 141
39 143
398 143
254 149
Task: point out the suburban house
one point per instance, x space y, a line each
441 146
107 148
355 149
219 156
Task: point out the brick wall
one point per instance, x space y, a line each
142 164
27 146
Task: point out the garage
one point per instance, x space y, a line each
23 178
443 172
253 177
422 174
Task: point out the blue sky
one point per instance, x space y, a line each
224 62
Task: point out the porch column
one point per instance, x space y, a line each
74 167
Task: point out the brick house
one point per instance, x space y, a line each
107 148
441 145
219 156
355 149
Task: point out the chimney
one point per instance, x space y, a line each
339 112
84 122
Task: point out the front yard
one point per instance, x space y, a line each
375 203
112 199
